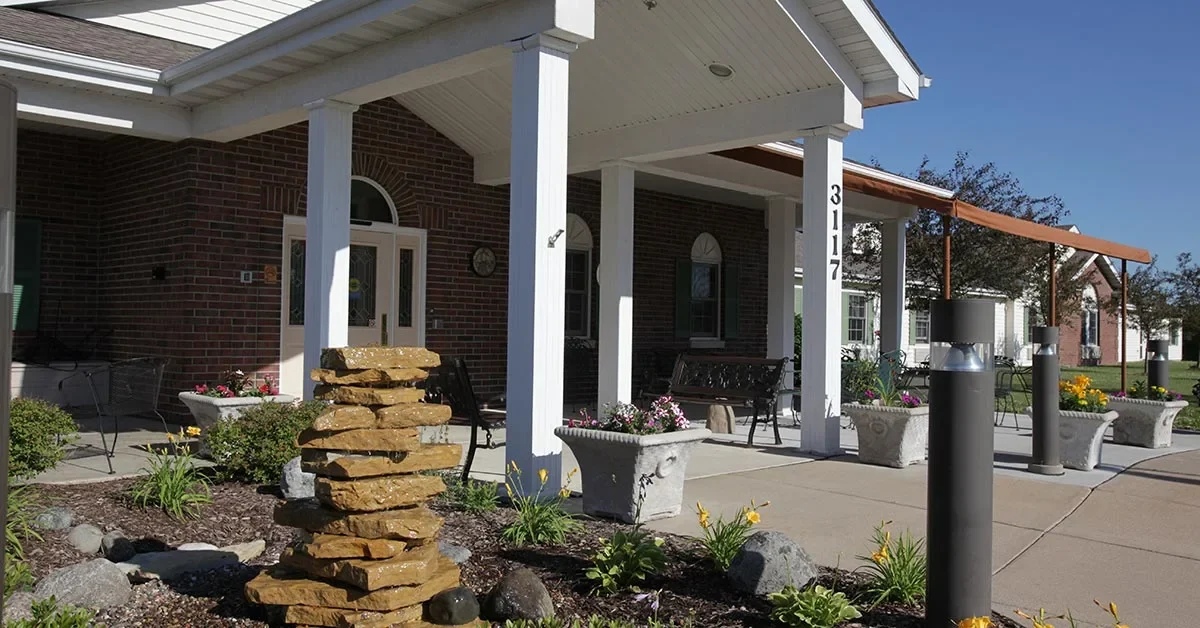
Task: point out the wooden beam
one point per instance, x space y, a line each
1052 319
1124 325
945 256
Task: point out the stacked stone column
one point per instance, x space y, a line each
370 556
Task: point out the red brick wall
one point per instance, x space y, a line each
206 211
1110 327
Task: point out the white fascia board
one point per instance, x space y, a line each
448 49
707 131
882 39
823 44
795 150
21 57
103 112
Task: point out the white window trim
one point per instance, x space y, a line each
865 319
706 250
579 239
916 334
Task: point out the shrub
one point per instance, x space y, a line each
540 520
624 561
172 483
255 445
857 377
48 614
896 570
814 607
470 496
22 509
17 576
723 539
40 430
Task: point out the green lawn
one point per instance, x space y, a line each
1108 379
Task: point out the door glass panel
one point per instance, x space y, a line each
296 283
362 285
404 288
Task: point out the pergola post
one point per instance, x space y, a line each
1052 318
327 246
781 289
821 380
894 259
945 256
537 257
1124 324
8 208
615 338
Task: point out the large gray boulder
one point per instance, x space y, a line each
295 483
769 561
18 606
54 518
117 547
170 565
453 607
456 553
96 584
86 538
518 595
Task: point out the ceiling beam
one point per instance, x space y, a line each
101 112
823 44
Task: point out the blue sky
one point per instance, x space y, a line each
1096 101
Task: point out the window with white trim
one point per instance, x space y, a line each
921 322
1089 332
578 309
706 287
856 330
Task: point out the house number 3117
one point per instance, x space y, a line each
835 260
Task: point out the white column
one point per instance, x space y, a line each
781 289
616 285
537 257
891 319
821 385
327 254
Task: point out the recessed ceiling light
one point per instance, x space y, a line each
720 70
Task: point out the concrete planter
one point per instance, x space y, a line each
1143 422
611 465
889 436
1081 435
208 410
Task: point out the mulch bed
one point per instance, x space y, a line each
241 513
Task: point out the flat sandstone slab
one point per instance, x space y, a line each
343 377
280 587
334 464
343 417
409 524
337 546
342 618
406 439
412 567
379 358
382 493
356 395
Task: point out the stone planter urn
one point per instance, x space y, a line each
1144 422
208 410
890 436
611 465
1082 435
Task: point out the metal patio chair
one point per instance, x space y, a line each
1006 375
450 384
133 388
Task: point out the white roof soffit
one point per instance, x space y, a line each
795 150
57 65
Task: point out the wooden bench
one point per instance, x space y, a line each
731 380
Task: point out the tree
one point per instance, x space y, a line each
1150 309
1069 282
1184 286
981 259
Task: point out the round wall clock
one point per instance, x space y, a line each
483 261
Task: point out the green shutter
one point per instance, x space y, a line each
912 327
731 285
845 318
1028 328
27 274
870 326
799 298
683 298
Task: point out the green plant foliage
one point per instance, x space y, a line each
48 614
172 483
624 561
594 621
470 496
255 445
22 509
722 539
541 519
896 570
857 378
17 576
39 431
814 607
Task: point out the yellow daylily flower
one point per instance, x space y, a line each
193 431
543 475
170 437
564 492
881 556
976 622
752 517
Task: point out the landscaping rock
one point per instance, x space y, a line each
406 439
383 493
117 547
768 561
454 607
246 551
197 547
337 546
518 595
295 483
86 538
407 569
456 553
190 557
282 587
18 606
350 466
95 584
379 357
352 395
54 518
408 524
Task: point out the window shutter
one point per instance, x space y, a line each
27 274
731 287
845 318
683 298
870 327
912 327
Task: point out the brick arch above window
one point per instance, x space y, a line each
394 182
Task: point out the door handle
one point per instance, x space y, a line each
383 331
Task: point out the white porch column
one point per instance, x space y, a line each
891 320
821 379
616 285
781 289
537 257
327 252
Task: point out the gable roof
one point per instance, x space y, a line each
91 39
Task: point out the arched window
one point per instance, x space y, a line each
578 281
1089 329
370 203
706 287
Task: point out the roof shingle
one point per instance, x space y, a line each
90 39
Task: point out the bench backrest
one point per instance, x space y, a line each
450 384
726 376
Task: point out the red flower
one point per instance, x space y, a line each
264 389
201 389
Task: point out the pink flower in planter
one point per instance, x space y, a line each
201 389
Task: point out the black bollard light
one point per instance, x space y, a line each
1158 370
961 421
1047 450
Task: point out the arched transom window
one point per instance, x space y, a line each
706 287
578 280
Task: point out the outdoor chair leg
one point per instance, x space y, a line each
104 442
466 472
775 422
753 424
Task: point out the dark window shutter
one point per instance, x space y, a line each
912 327
731 287
845 318
683 298
27 274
